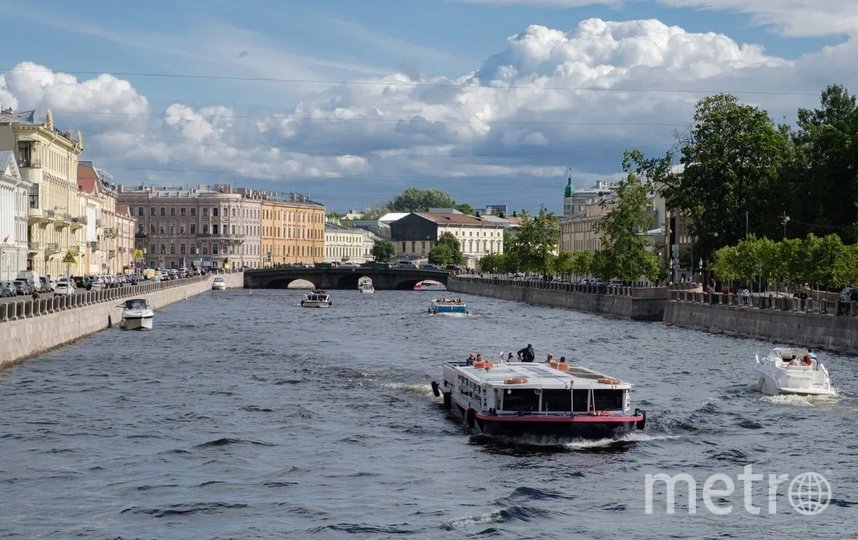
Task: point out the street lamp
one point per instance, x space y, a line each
785 220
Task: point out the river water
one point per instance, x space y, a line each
243 415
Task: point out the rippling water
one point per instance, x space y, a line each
243 415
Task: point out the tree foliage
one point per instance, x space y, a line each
447 250
534 244
420 200
382 250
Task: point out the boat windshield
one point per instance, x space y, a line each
136 304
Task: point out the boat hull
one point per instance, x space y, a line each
314 304
137 323
777 376
456 311
579 426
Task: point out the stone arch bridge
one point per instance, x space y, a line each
396 279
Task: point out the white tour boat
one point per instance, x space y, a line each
430 285
365 285
137 314
448 306
219 284
316 298
787 370
540 399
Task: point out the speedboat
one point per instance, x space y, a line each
137 314
430 285
448 306
538 399
787 370
316 298
219 284
365 285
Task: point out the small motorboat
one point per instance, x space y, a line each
538 399
448 306
219 284
789 370
365 285
316 298
430 285
137 314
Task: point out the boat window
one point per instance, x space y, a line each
556 400
608 400
580 400
524 400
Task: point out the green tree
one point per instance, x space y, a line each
731 160
582 263
447 250
563 264
623 231
491 263
420 200
465 208
535 242
382 250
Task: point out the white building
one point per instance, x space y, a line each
343 244
14 209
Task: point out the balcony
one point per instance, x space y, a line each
80 219
34 247
37 215
94 245
109 231
52 247
77 222
50 214
111 254
140 234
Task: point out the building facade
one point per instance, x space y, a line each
293 229
343 244
181 227
47 158
414 235
14 207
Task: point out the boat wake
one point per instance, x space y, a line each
621 442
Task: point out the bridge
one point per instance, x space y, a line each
394 279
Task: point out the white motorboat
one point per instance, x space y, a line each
316 298
791 370
542 399
430 285
365 285
219 284
137 314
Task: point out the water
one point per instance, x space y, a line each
243 415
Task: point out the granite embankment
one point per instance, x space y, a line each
31 327
829 325
642 304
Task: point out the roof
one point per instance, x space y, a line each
8 164
458 219
17 117
392 216
87 177
123 209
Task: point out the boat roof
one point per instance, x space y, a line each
539 375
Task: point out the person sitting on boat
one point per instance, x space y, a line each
470 360
806 360
526 354
479 357
562 359
510 357
549 358
793 361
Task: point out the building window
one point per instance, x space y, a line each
205 229
140 211
163 249
181 249
34 196
214 249
205 210
161 228
173 211
181 229
182 211
151 248
193 211
215 228
215 211
152 228
152 211
205 249
172 249
193 228
163 211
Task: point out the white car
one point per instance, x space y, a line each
63 288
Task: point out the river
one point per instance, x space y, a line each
242 415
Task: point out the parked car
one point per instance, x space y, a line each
7 289
428 266
23 286
63 288
849 294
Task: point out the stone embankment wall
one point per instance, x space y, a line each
643 304
786 321
34 326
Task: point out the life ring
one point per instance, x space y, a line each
562 366
479 365
515 380
435 389
608 381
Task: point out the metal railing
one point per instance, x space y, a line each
767 301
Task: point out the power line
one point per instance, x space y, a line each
417 84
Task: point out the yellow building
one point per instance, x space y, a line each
108 232
47 158
292 230
582 210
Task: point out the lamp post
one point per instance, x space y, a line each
785 220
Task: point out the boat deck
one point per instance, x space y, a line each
539 375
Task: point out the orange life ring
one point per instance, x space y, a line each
488 364
479 365
562 366
608 381
515 380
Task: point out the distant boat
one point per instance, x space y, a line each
316 299
448 306
430 285
793 371
365 285
137 314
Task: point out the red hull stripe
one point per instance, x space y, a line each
583 418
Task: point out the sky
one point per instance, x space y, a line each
351 102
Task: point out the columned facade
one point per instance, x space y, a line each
14 206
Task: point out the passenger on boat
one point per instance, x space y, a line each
479 357
563 359
526 354
550 357
793 361
806 360
470 360
510 357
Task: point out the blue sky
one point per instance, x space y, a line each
491 100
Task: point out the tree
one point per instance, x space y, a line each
491 263
447 250
465 208
420 200
623 228
731 160
382 250
563 264
582 263
535 242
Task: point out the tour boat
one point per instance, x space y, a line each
538 399
316 299
788 370
430 285
448 306
219 284
365 285
137 314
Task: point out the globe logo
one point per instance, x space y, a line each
809 493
